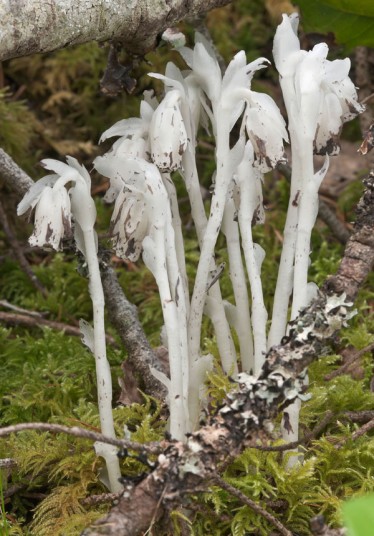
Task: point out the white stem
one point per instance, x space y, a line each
284 284
225 343
290 430
211 233
259 313
178 236
179 299
239 285
307 214
104 380
177 400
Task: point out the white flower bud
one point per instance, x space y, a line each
52 218
167 133
319 95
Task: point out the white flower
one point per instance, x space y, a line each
167 133
266 130
54 205
321 96
140 205
52 222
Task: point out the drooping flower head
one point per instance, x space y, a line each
140 203
319 94
55 206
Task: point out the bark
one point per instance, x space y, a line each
31 26
247 413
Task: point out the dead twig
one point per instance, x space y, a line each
13 242
358 433
103 498
359 416
150 448
30 321
8 305
252 505
352 359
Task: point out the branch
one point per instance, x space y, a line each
253 505
186 468
13 175
82 433
29 321
32 26
13 242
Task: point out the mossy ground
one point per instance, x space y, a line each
50 106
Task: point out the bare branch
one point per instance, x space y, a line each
82 433
253 505
13 175
31 26
349 362
31 321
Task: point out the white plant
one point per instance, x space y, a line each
319 98
58 212
160 145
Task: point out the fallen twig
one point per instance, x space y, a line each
345 368
302 442
253 505
150 448
358 433
13 242
26 320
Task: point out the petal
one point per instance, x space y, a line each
52 218
73 162
168 136
266 130
62 169
206 68
31 198
126 127
286 44
129 225
330 121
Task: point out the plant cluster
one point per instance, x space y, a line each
143 167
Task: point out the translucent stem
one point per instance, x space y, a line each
221 327
239 285
103 375
210 236
259 313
